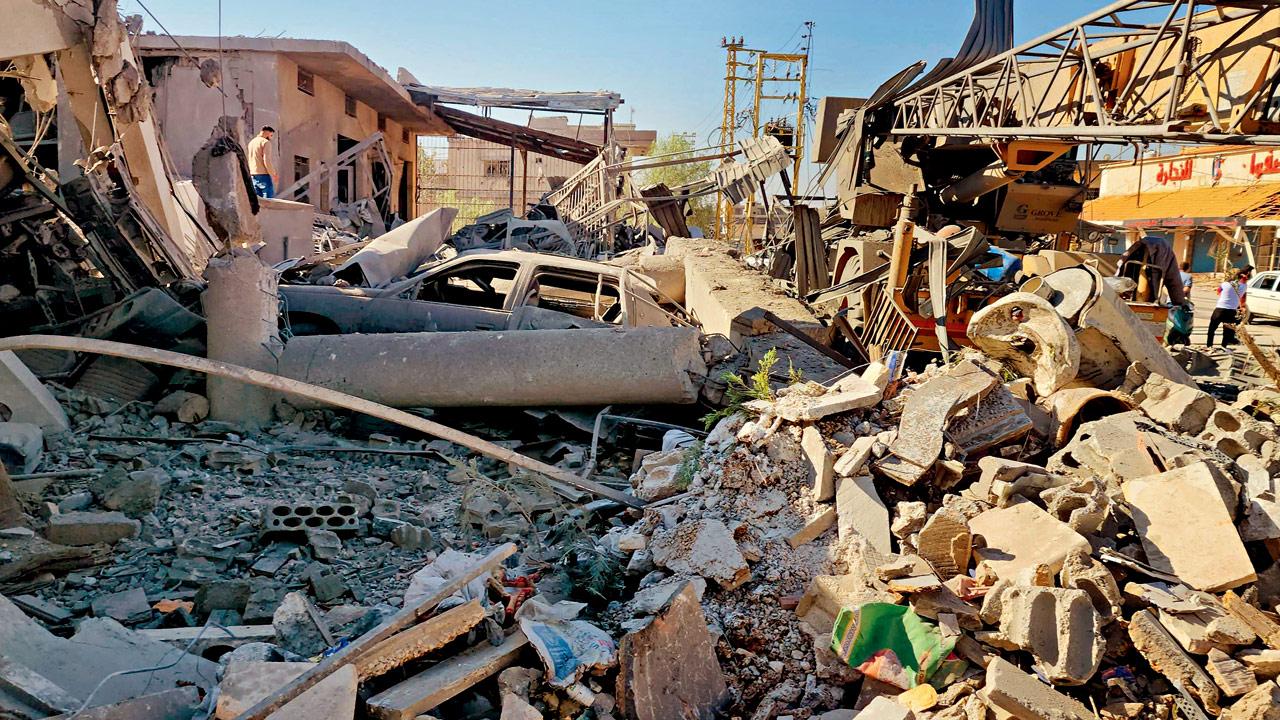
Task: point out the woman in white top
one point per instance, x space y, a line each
1230 298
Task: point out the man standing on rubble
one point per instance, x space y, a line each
261 166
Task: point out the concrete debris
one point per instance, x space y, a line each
1059 627
24 399
21 446
1208 554
669 667
861 512
705 548
1011 691
1023 541
90 528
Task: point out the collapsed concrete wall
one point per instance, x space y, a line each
516 369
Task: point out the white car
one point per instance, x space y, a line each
1262 299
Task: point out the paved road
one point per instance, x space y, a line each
1266 332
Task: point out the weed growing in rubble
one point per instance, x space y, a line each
593 569
688 467
738 392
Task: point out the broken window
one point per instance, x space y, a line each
301 169
306 82
477 284
593 297
349 105
497 168
345 177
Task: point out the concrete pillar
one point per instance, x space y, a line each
505 369
241 309
221 185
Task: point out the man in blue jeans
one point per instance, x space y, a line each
261 166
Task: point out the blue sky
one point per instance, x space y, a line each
663 56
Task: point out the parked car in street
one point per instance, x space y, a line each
1262 299
481 290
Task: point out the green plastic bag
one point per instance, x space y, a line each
889 643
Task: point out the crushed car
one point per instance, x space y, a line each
482 290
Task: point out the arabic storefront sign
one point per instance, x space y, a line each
1263 164
1174 171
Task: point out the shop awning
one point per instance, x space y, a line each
1190 207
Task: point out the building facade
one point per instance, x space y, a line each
322 97
479 177
1219 206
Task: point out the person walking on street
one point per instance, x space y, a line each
1230 299
1184 271
261 165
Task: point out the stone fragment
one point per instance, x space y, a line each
1022 696
24 399
247 683
187 407
222 595
89 528
946 544
668 669
1231 675
701 547
1082 504
133 493
1261 704
1081 572
852 393
1205 630
298 626
127 606
100 647
1262 519
325 544
859 510
1264 664
516 708
1206 554
176 704
1235 433
1182 408
820 462
925 416
814 527
651 600
851 461
1023 539
659 476
411 537
884 708
1059 627
910 518
21 446
1166 657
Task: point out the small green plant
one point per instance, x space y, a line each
738 392
593 569
689 465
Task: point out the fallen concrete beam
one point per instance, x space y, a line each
513 369
25 398
398 252
314 394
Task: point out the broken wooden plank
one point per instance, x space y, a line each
1258 621
1265 361
441 681
362 645
317 394
419 640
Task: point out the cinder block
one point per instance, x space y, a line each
1059 627
298 517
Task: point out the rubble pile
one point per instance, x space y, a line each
1132 568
